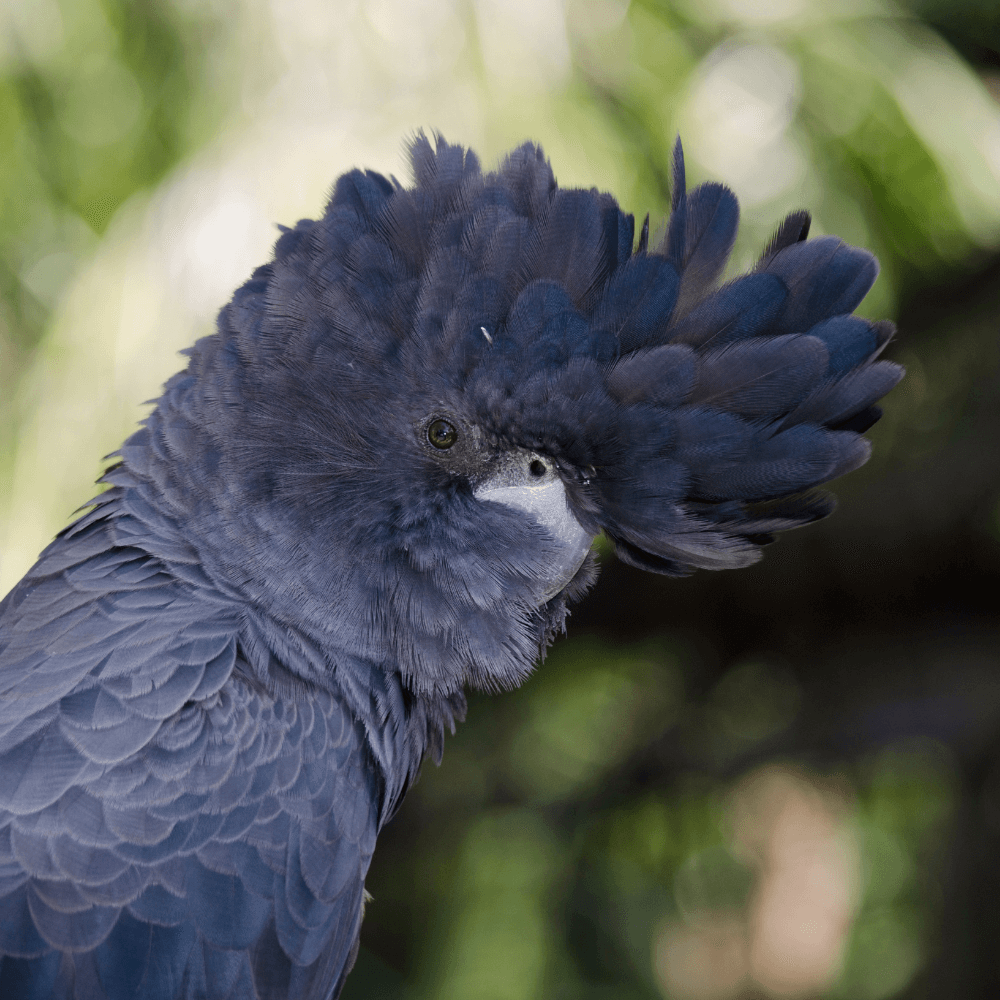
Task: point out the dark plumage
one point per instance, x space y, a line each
376 484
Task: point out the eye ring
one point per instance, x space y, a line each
442 434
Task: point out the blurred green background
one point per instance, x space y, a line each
780 782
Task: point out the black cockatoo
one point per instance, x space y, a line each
377 483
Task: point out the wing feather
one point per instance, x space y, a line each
167 825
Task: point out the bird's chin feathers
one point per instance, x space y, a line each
689 421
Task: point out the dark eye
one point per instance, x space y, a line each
441 434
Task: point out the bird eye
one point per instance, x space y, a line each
441 434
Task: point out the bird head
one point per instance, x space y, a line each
412 423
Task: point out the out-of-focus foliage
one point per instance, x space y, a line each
95 101
779 782
658 879
98 100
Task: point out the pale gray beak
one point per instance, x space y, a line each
529 482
